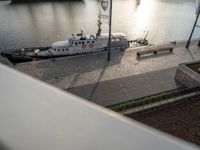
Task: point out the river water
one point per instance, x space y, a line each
40 24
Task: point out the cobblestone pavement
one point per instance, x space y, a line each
76 71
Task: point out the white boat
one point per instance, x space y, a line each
76 44
81 43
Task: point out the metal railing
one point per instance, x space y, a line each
36 116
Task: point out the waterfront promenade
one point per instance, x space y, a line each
123 78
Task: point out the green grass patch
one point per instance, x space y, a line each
143 101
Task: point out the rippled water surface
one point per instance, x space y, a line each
39 24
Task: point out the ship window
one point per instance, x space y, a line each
63 50
59 50
88 41
79 42
76 43
66 49
83 42
92 41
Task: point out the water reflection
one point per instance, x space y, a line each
144 15
25 25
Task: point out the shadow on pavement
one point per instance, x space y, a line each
128 88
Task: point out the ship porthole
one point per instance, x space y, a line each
91 45
83 46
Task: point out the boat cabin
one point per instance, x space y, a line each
81 43
82 40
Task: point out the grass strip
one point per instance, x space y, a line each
153 98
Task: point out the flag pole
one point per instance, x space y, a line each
110 23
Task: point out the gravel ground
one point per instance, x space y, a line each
181 120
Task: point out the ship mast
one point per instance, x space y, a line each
99 23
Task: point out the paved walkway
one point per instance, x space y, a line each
76 72
119 90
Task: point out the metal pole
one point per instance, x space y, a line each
188 42
110 23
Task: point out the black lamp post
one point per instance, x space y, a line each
189 40
110 23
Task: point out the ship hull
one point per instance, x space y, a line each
19 58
